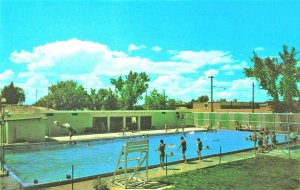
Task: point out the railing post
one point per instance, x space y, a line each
166 164
254 143
220 157
289 137
72 177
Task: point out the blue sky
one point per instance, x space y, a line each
178 43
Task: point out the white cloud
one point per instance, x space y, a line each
33 84
241 84
85 62
75 57
172 52
87 80
133 47
64 52
89 62
6 75
22 57
240 66
176 86
202 58
182 88
241 89
211 72
259 49
156 48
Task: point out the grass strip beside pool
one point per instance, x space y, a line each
262 172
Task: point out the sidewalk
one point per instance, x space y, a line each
158 172
3 173
90 137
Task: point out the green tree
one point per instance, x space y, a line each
154 101
171 104
130 89
203 98
13 94
94 100
107 99
278 78
103 99
189 105
43 102
67 95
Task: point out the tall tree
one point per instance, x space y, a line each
203 98
68 95
189 105
171 104
104 99
130 89
290 76
43 102
13 94
154 101
278 78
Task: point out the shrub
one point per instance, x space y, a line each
100 184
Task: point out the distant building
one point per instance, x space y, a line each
232 106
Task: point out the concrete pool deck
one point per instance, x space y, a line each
90 137
157 172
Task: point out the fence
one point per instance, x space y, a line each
273 121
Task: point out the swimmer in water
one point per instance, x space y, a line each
207 148
73 142
89 144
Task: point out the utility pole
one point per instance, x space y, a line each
3 132
211 93
252 97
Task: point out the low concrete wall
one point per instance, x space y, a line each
25 130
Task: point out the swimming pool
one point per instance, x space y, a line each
51 162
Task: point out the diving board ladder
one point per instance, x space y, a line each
132 156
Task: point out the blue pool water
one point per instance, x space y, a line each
51 162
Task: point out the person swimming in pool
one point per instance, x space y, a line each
207 148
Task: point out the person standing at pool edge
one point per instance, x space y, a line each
183 148
166 127
161 149
199 148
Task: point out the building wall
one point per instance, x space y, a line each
82 119
200 107
27 130
173 119
206 106
78 120
34 128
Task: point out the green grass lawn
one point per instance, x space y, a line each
262 172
